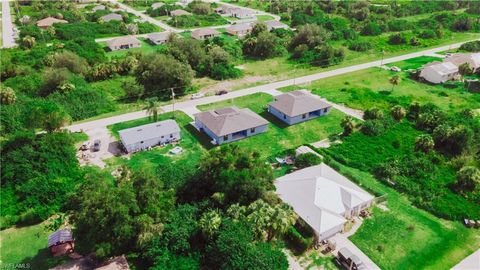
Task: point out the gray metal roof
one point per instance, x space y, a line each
201 32
298 102
240 27
275 25
180 12
122 41
230 120
159 35
149 131
59 237
112 17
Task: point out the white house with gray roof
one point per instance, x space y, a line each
230 124
473 59
112 17
205 33
437 72
323 198
239 29
98 7
272 25
159 37
298 106
122 43
141 137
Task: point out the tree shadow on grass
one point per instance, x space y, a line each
42 260
385 92
273 119
201 137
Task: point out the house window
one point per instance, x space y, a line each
252 130
162 137
284 116
141 142
171 135
304 116
325 110
225 138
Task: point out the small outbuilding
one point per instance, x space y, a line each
112 17
122 43
437 72
205 33
179 12
142 137
239 29
230 124
61 242
298 106
159 37
49 21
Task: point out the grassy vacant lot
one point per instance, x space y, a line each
279 136
24 245
414 63
370 88
406 237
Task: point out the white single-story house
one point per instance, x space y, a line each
159 37
179 12
239 29
204 33
473 59
323 198
98 7
272 25
112 17
436 72
121 43
230 124
49 21
141 137
298 106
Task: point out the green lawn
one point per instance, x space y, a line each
146 47
279 136
370 88
263 18
414 63
410 238
27 245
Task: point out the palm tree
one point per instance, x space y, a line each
236 211
7 96
210 222
398 112
28 42
424 143
282 218
153 108
348 125
395 80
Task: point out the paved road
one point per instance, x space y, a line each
7 26
267 88
472 262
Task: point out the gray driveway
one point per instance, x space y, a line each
472 262
7 26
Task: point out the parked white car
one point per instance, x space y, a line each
197 95
395 69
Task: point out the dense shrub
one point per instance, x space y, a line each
360 46
371 29
296 241
399 25
307 160
397 39
472 46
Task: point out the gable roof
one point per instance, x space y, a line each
444 68
49 21
98 7
179 12
320 195
60 237
298 102
240 27
473 59
112 17
159 35
149 131
204 32
230 120
157 5
122 40
275 25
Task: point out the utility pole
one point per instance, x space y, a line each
383 54
173 104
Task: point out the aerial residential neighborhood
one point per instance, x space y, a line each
232 134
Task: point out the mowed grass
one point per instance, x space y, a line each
406 237
26 245
146 47
279 136
414 63
371 88
263 17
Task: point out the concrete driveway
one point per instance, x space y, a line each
7 26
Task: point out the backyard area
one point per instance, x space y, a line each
146 47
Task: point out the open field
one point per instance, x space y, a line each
409 238
145 48
414 63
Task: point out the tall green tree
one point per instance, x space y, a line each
48 116
153 108
394 80
348 125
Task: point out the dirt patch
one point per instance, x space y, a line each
229 85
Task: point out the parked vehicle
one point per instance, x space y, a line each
221 92
348 260
197 95
96 146
395 69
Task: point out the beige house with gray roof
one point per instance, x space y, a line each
473 59
121 43
205 33
298 106
229 124
49 21
112 17
240 29
179 12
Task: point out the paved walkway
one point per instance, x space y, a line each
342 241
266 88
472 262
7 26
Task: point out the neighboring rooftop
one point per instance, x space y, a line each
275 25
230 120
122 40
205 32
473 59
149 131
179 12
442 68
49 21
159 35
112 17
157 5
298 102
59 237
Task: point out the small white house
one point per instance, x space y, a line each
323 198
436 72
141 137
122 43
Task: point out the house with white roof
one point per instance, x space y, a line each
142 137
437 72
473 60
122 43
323 198
298 106
230 124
